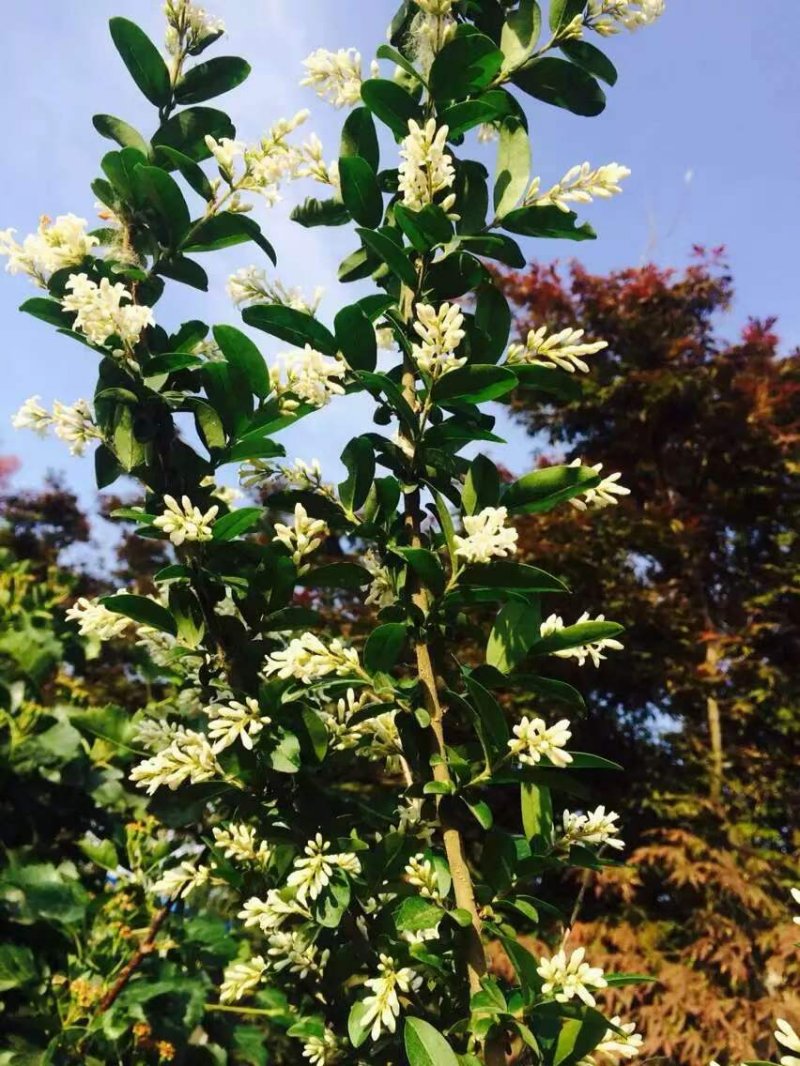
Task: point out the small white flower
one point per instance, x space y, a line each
335 76
593 650
261 167
614 1045
313 871
55 245
303 538
181 881
95 620
426 168
75 425
185 522
307 659
240 978
232 721
488 537
602 495
382 1007
421 873
307 375
608 17
382 591
566 978
313 165
321 1050
250 285
596 827
32 416
105 310
580 185
239 841
189 757
293 950
533 740
154 734
189 26
440 332
564 350
269 914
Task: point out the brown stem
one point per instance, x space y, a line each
716 774
135 961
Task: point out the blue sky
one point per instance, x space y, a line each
705 114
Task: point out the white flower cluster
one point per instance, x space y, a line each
297 475
430 30
74 424
382 592
308 376
312 164
321 1050
336 76
105 310
307 659
608 17
382 1007
185 522
379 732
154 733
182 880
225 493
421 873
303 537
189 27
95 620
297 952
566 978
312 872
602 495
596 827
426 168
251 286
440 332
580 185
487 537
270 914
238 841
231 721
533 739
593 650
189 757
564 350
55 245
240 978
261 167
616 1045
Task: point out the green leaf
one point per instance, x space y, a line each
355 338
359 460
295 327
337 576
334 900
360 191
425 1046
392 104
493 723
224 231
115 129
359 137
590 59
128 450
242 354
233 525
562 12
184 270
385 51
541 490
384 647
493 318
425 229
496 246
482 485
474 384
517 577
513 165
101 852
574 636
187 130
356 1030
17 966
320 213
426 564
415 914
537 815
162 195
455 275
516 628
520 33
578 1037
142 59
49 311
548 221
212 78
550 381
469 113
193 174
106 467
464 66
558 82
391 254
142 609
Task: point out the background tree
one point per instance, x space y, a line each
705 704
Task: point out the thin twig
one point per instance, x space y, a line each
135 960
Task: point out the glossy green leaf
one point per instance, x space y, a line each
141 609
355 337
192 173
333 901
574 636
562 12
466 64
543 489
515 630
116 129
426 565
496 246
313 213
209 425
186 131
225 230
392 104
415 914
337 576
161 194
474 384
548 221
493 317
234 524
550 381
184 270
49 311
493 721
142 59
425 1046
390 253
241 353
536 804
384 647
520 33
482 486
360 191
295 327
358 458
558 82
505 573
425 229
212 78
359 137
591 59
513 172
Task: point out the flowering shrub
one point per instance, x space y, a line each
339 804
